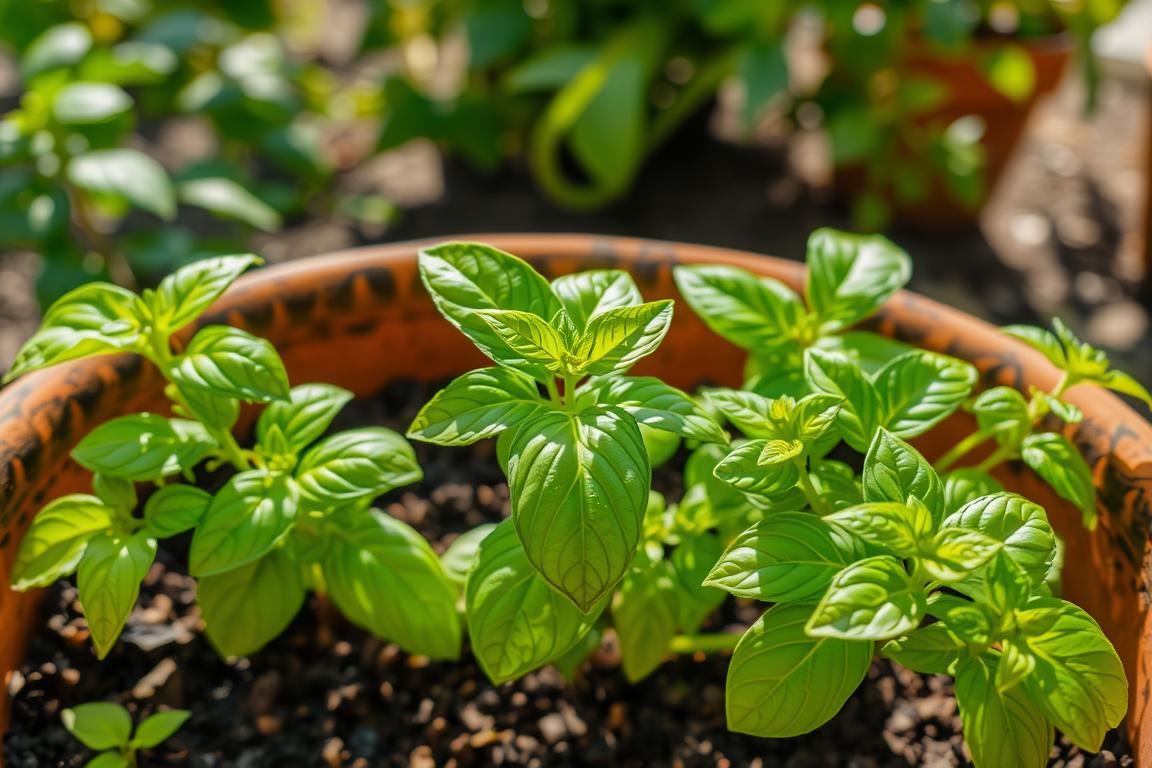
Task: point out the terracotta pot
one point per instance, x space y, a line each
361 319
968 94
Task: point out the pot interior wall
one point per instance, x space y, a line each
361 319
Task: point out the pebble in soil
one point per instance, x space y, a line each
327 694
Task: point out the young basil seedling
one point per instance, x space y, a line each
107 728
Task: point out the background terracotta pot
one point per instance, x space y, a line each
361 319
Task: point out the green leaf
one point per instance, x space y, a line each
303 417
144 447
58 46
1003 412
108 581
229 362
108 760
56 539
788 557
894 470
782 682
99 724
382 575
1061 466
174 509
749 412
999 729
357 464
1078 682
531 339
478 405
607 137
763 70
617 338
895 527
813 416
744 470
930 650
851 276
185 294
920 389
1062 408
1017 522
579 486
516 622
956 552
245 608
1041 340
158 727
862 408
245 520
1118 381
872 599
754 313
208 408
585 295
645 614
116 492
691 562
463 278
967 484
225 198
1009 69
127 174
657 405
463 552
86 103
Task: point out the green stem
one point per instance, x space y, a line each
570 392
1001 454
709 643
815 500
553 392
961 449
1061 385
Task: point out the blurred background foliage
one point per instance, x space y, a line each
920 100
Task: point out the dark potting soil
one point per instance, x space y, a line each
327 694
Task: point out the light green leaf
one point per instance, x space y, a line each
229 362
617 338
579 486
478 405
357 464
782 682
81 103
116 492
383 576
999 729
245 608
55 542
1009 69
645 614
98 724
143 447
108 581
691 561
108 760
1061 466
788 557
895 527
754 313
1041 340
185 294
61 45
1118 381
657 405
956 552
303 417
851 276
245 520
862 408
967 484
872 599
585 295
205 406
174 509
920 389
158 727
813 416
225 198
529 337
894 470
127 174
1017 522
749 412
1003 412
930 650
743 470
463 552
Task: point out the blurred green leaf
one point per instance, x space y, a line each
1011 72
59 46
495 30
126 173
763 70
82 103
130 63
226 198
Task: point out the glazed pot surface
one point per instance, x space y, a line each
361 319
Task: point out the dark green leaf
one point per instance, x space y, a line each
174 509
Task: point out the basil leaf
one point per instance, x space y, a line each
478 405
851 276
1017 522
579 486
382 575
1061 466
861 410
124 175
930 650
245 520
108 760
535 345
185 294
463 278
158 727
357 464
743 469
645 615
837 482
1078 682
657 405
144 447
754 313
782 682
463 553
1003 412
174 509
660 445
750 413
1118 381
920 389
516 622
789 557
967 484
229 362
894 527
56 539
691 561
587 294
247 607
1041 340
617 338
207 407
98 724
955 552
894 470
108 580
303 417
872 599
116 492
999 728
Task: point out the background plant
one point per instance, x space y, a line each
107 728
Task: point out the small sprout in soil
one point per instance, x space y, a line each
107 729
